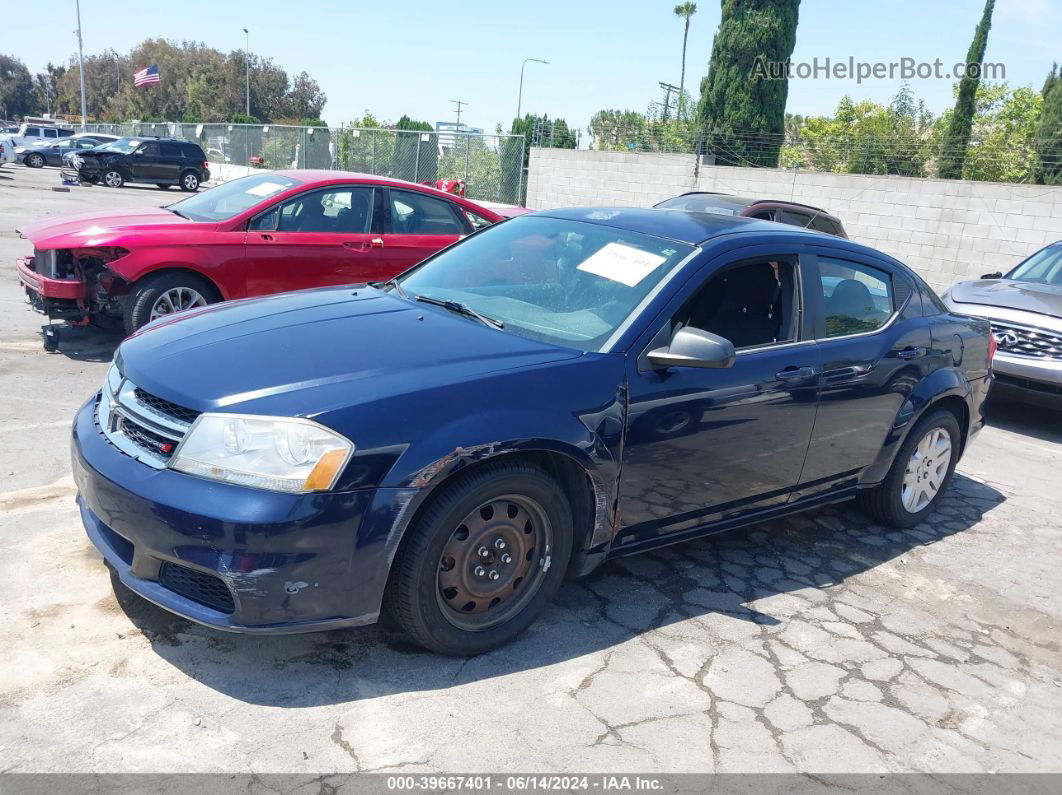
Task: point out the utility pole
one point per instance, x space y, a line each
80 64
247 62
117 70
459 103
668 88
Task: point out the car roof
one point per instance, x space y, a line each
326 176
683 226
748 201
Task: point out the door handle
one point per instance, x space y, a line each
911 352
267 237
794 373
356 245
376 242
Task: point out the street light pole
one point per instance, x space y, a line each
80 64
520 96
247 62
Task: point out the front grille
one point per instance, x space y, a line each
1027 341
200 587
164 406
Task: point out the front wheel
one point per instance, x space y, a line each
35 160
113 178
919 475
166 294
483 560
189 182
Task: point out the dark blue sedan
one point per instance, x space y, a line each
553 391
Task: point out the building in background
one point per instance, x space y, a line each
446 130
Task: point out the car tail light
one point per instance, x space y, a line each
992 346
206 164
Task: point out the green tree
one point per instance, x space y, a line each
954 143
684 12
415 159
618 130
18 96
1049 131
742 109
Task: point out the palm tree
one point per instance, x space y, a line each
686 10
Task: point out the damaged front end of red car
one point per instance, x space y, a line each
75 284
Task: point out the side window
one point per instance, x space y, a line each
192 151
762 215
417 214
149 149
857 297
33 132
51 132
821 223
346 210
84 143
752 304
793 218
170 149
63 133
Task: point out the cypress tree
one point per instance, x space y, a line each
957 138
1049 131
742 107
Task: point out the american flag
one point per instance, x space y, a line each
145 76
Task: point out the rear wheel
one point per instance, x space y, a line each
189 182
166 294
920 474
113 178
35 160
483 560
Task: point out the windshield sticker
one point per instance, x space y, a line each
624 264
718 210
264 189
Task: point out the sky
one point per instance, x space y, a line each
414 56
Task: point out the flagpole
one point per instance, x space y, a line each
80 64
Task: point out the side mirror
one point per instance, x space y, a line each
692 347
995 275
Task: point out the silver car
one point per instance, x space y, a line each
1025 310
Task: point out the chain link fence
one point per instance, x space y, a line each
491 166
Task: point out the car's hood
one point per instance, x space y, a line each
99 229
1044 299
312 351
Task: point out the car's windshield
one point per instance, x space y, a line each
704 203
125 146
565 282
232 198
1044 267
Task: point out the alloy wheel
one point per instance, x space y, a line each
191 182
176 299
926 470
36 161
494 562
112 179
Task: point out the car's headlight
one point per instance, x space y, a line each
276 453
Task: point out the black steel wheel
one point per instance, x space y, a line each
483 559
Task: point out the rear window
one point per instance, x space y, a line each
704 203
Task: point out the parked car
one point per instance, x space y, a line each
7 151
266 233
1025 309
51 154
30 134
783 212
158 161
449 445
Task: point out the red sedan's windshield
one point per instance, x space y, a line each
232 198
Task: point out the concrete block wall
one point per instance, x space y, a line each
947 230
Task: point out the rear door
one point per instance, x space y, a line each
316 239
416 225
874 347
170 161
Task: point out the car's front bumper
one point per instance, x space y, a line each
1038 380
62 298
283 562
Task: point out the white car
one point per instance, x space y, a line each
7 150
35 134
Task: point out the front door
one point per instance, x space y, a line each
708 444
418 225
317 239
145 162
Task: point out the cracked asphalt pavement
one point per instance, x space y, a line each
820 644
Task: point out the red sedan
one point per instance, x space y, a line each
264 233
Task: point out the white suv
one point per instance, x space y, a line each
35 134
